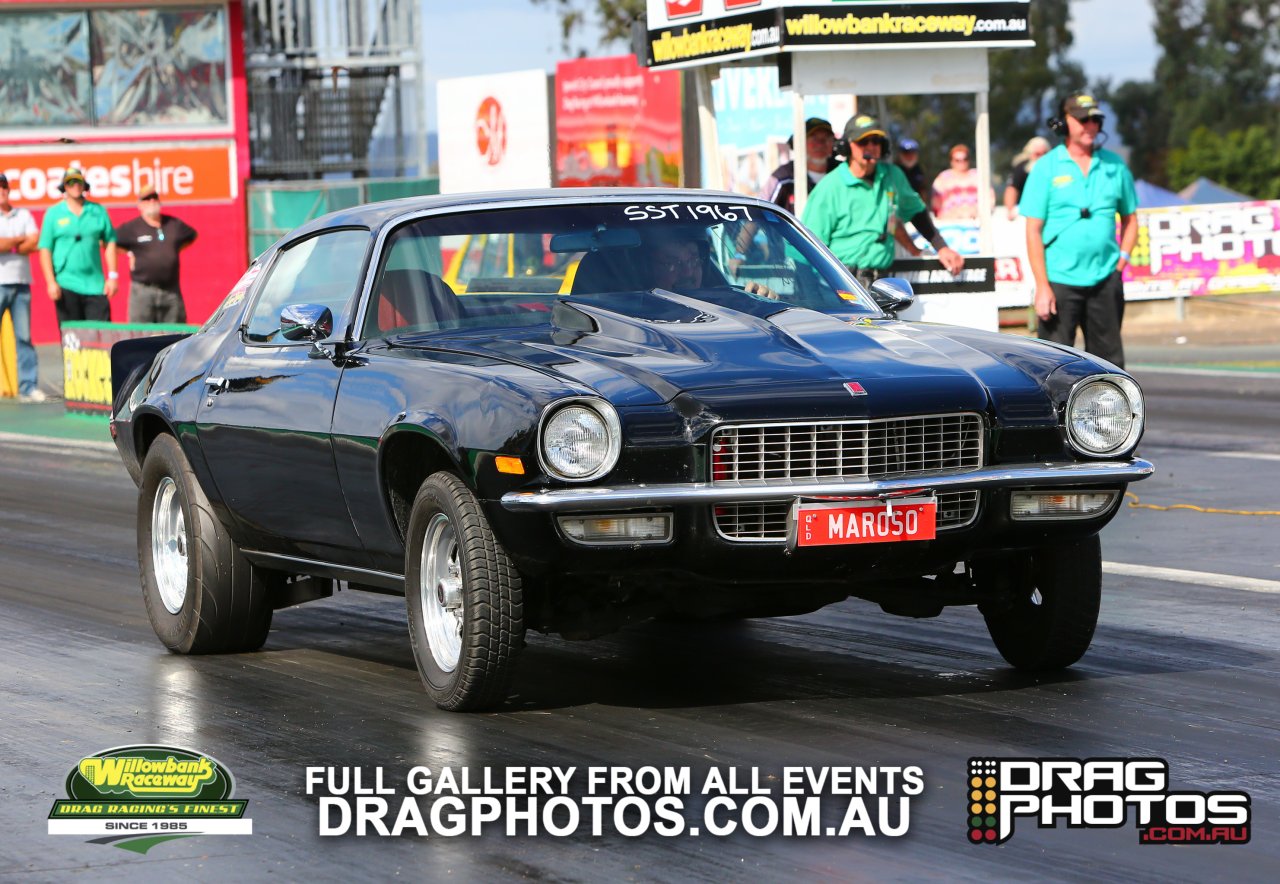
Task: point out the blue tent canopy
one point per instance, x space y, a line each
1202 190
1151 196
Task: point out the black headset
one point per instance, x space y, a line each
1058 123
842 148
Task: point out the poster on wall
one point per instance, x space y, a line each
754 119
494 132
617 124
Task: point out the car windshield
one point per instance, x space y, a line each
509 267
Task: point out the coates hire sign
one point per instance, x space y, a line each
689 32
494 132
195 172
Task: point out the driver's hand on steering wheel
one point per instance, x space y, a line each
760 290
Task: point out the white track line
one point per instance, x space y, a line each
1199 578
1203 372
55 442
1244 455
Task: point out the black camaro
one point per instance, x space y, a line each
572 410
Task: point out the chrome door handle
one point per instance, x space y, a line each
215 385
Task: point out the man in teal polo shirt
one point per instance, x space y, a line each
1071 201
856 210
71 240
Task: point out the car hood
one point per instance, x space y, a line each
656 347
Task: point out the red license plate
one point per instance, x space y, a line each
841 523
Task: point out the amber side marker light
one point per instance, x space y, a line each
512 465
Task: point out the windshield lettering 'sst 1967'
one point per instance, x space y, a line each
687 212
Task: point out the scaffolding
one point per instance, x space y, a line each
334 88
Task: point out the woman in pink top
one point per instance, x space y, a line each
955 190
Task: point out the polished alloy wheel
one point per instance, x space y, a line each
440 588
169 546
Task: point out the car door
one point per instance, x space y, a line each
264 421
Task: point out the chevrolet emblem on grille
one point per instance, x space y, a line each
855 388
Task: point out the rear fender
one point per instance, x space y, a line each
130 360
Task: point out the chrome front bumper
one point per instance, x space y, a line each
600 499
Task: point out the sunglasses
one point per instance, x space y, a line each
674 264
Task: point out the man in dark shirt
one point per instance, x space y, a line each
908 160
153 241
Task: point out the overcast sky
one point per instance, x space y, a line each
1112 39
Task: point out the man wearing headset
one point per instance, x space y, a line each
858 209
1071 199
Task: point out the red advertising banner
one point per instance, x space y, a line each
617 124
118 174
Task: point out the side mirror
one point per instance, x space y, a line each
306 322
892 295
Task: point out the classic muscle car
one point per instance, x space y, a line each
635 420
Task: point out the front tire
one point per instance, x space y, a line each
1047 609
464 599
202 596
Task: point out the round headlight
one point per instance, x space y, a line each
581 441
1105 416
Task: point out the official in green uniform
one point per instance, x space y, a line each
856 210
1071 201
71 240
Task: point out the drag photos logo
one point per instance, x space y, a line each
136 797
1099 793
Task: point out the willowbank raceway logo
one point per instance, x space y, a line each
136 797
1099 793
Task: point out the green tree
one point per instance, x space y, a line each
614 18
1026 85
1245 160
1218 69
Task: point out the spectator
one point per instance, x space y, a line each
1071 200
18 239
857 210
71 241
1034 149
154 241
908 160
780 187
955 190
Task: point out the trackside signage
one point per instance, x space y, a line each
118 175
138 796
689 32
495 132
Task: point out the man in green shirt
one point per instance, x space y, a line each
71 240
1071 199
857 208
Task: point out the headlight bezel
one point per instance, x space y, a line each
608 416
1129 389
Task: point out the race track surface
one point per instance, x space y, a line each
1183 668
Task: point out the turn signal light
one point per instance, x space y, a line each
1030 505
646 528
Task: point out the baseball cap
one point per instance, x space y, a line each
148 195
4 181
1081 106
811 125
908 144
863 126
70 176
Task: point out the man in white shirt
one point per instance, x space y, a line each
18 239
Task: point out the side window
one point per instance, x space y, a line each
324 270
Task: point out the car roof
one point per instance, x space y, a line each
375 215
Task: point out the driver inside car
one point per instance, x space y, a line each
678 262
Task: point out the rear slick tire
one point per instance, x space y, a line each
464 598
202 596
1046 618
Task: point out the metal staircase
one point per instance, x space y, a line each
329 80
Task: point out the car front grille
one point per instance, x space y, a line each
766 521
763 454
